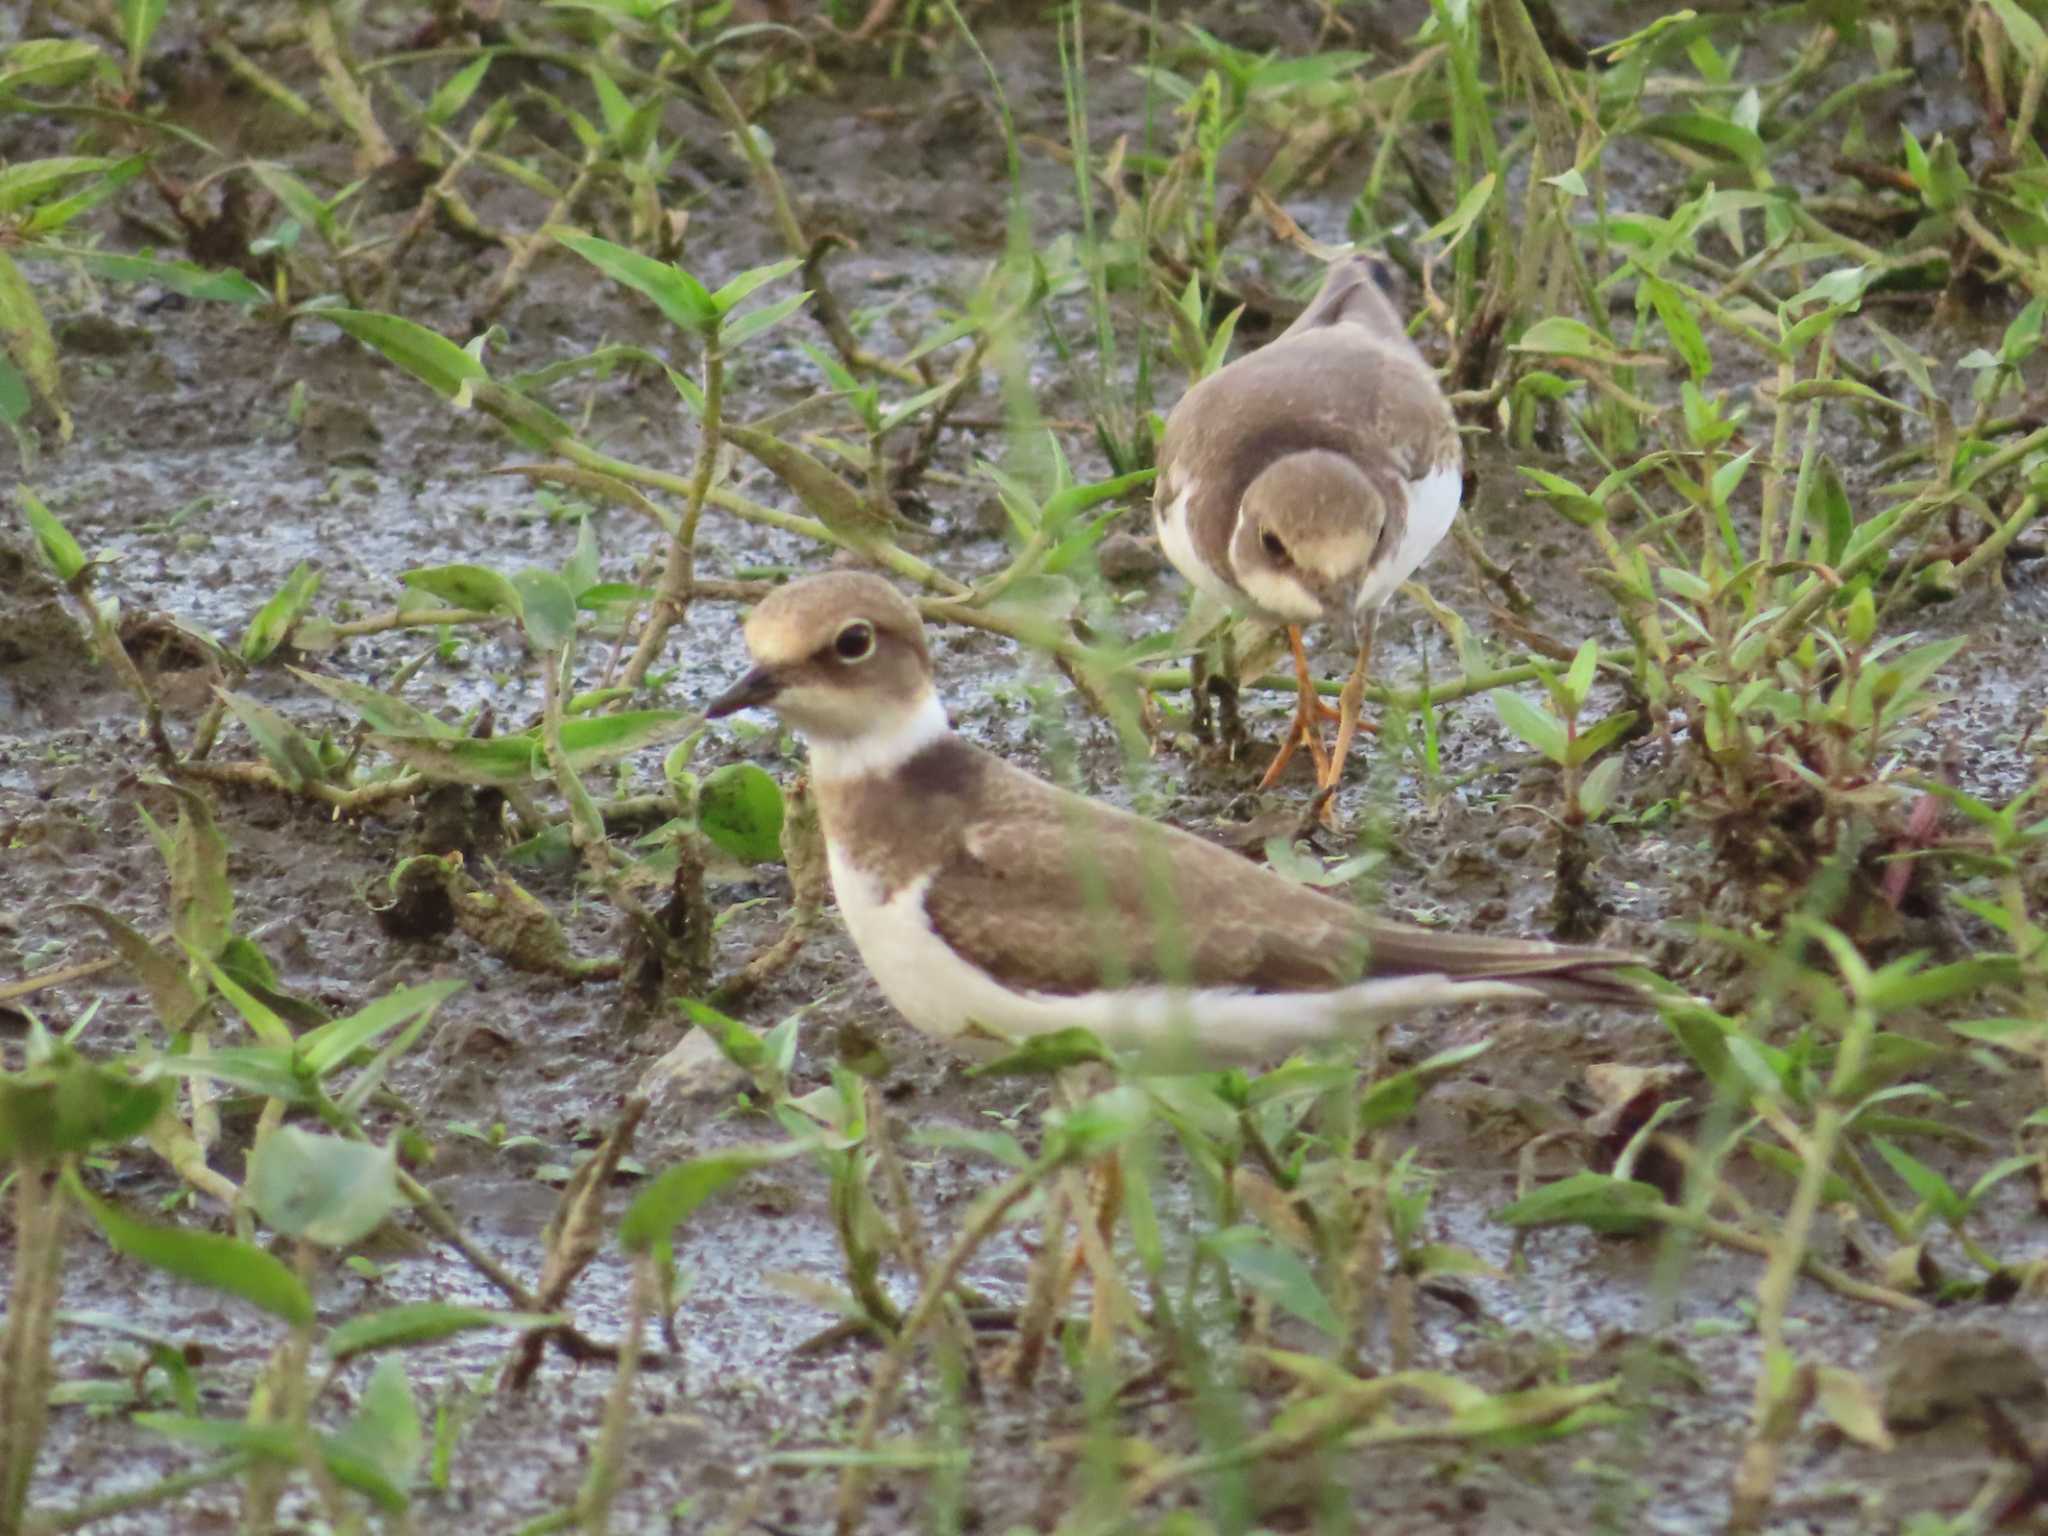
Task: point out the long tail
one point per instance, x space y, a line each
1352 294
1564 973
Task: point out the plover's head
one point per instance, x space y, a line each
841 657
1306 533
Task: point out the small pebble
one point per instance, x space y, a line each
1936 1372
1514 840
1126 557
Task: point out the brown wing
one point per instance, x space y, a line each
1060 894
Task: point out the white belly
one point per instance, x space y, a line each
942 995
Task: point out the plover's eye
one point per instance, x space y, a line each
856 642
1269 541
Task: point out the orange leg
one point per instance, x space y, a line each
1349 703
1309 712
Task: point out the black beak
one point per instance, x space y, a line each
759 686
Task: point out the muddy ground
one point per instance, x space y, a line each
188 474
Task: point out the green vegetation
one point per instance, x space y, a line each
1750 356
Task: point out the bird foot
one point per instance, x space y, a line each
1218 726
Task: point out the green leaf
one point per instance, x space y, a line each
1266 1269
2018 1034
1589 743
2029 41
49 61
1943 181
222 1263
1596 790
1929 1187
671 1197
605 594
726 299
1595 1200
272 1442
739 807
380 711
202 901
274 620
1291 73
1837 521
1714 135
298 199
139 20
1587 511
265 1070
675 292
427 355
1041 1055
424 1322
1578 678
324 1189
15 399
1296 1080
1539 728
163 975
1680 324
454 94
466 586
547 609
1562 336
740 1045
897 414
495 762
1835 1190
1063 507
1393 1099
325 1048
32 181
384 1435
295 758
999 1145
1996 1174
593 739
60 551
582 572
279 1443
1728 478
1466 214
1097 1126
225 286
65 1104
756 322
1913 987
25 336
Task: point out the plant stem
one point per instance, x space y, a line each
25 1348
679 574
602 1485
981 1225
95 1510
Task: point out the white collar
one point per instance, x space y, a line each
882 750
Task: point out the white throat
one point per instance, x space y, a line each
892 741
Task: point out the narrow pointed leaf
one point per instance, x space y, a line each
205 1258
